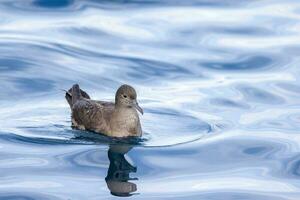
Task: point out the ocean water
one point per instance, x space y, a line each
218 81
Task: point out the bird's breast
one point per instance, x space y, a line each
125 123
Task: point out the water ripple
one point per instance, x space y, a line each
218 81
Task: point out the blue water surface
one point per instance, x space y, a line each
218 81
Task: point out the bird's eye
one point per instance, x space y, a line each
125 96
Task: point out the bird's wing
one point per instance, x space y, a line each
105 103
90 114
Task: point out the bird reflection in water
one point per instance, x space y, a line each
117 178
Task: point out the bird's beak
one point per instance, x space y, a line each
136 105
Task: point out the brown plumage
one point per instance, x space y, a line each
119 119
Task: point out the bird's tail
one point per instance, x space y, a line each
75 93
